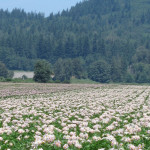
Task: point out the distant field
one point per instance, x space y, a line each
74 116
82 81
19 74
18 89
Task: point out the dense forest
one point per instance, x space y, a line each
104 40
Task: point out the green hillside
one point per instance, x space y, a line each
114 32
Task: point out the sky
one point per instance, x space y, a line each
43 6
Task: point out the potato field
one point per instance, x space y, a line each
74 117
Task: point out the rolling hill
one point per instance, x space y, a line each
114 31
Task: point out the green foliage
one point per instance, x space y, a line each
78 70
112 30
141 72
42 71
10 74
24 77
97 145
119 70
63 70
99 71
82 81
3 70
142 55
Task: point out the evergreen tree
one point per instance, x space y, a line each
92 30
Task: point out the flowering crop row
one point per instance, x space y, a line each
91 118
18 89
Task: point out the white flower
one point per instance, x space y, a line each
21 131
78 145
57 143
65 146
1 139
136 137
49 138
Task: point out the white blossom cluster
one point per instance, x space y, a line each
119 114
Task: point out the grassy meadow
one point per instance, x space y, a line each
37 116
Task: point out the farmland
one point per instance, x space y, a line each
74 116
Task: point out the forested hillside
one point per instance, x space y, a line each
108 36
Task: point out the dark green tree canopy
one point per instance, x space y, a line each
91 30
63 70
141 72
3 70
99 71
78 68
42 71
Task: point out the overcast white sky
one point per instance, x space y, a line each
44 6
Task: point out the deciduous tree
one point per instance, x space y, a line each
42 71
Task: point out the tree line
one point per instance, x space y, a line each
100 71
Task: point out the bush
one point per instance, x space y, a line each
24 77
2 79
